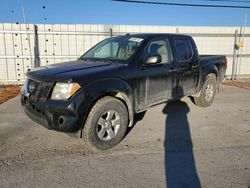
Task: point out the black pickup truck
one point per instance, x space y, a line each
98 95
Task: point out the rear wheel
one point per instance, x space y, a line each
207 93
106 124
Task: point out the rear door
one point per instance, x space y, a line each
186 66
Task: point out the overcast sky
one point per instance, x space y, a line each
111 12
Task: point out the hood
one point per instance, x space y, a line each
68 70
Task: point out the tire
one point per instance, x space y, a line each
207 93
106 124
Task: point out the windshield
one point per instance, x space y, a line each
117 48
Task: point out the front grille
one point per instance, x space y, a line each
44 93
38 90
44 90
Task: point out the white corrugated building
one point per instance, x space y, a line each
57 43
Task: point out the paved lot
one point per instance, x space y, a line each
175 145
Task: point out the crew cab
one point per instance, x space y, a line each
98 95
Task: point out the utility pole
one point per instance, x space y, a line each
234 55
240 45
27 35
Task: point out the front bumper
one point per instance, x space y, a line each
66 116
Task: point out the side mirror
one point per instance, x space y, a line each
153 60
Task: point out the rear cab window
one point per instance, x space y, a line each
184 50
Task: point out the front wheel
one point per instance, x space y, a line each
207 93
106 124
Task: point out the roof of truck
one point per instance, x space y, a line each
147 35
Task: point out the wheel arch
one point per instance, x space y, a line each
113 87
205 71
210 69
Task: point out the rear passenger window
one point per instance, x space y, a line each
183 49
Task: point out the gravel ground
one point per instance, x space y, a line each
174 145
8 91
241 83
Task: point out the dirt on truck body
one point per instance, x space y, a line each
98 95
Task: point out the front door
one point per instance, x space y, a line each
156 81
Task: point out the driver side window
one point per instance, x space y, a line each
160 47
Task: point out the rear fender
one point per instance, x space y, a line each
205 71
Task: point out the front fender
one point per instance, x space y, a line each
101 87
113 87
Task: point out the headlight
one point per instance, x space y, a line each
24 87
64 90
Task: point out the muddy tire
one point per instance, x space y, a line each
207 93
106 124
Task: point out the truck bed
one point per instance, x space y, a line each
218 60
207 57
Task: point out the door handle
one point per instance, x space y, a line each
172 70
194 66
